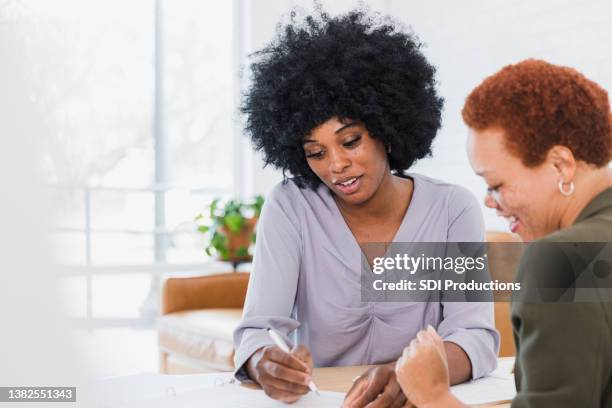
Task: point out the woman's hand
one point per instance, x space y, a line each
283 376
376 388
422 371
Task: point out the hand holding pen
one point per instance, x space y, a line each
283 375
278 340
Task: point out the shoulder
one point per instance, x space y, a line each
287 192
551 268
296 201
457 197
453 209
455 201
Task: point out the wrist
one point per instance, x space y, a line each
251 365
443 400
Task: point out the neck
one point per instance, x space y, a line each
383 201
588 185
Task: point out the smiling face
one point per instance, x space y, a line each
527 197
347 159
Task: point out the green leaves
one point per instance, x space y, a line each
258 204
219 243
228 217
213 208
234 222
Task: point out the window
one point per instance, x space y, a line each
138 98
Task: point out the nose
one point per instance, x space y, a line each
490 202
338 161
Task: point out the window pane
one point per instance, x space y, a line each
98 100
69 248
127 210
73 290
119 295
71 205
199 92
121 249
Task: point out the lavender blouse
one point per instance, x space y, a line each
305 281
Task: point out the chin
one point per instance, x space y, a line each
529 236
354 199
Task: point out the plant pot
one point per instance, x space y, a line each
236 241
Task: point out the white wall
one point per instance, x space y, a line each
468 40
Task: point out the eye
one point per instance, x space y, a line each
353 142
494 189
315 155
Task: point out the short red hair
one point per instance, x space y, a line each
540 105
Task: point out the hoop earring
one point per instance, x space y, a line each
389 149
568 192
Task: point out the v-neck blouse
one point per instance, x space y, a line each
306 284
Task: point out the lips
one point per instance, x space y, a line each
348 185
514 223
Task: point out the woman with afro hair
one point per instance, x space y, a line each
345 105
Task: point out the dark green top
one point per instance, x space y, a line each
564 347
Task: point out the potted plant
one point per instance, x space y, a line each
230 228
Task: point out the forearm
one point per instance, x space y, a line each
446 400
459 365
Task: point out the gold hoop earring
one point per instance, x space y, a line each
568 192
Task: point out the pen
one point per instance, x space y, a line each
278 340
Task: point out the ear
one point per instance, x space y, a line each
563 162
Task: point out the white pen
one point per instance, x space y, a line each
278 340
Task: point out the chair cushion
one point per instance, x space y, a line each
202 335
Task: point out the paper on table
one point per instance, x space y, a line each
496 388
235 396
128 390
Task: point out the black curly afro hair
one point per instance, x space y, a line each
356 67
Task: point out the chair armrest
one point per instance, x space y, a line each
226 290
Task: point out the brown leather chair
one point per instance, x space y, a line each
198 317
502 264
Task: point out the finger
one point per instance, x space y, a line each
411 349
372 391
387 397
303 354
286 386
436 337
406 353
434 334
355 392
281 395
424 338
414 342
400 401
399 363
287 359
273 369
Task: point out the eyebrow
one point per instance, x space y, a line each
348 125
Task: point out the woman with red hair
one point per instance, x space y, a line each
540 136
